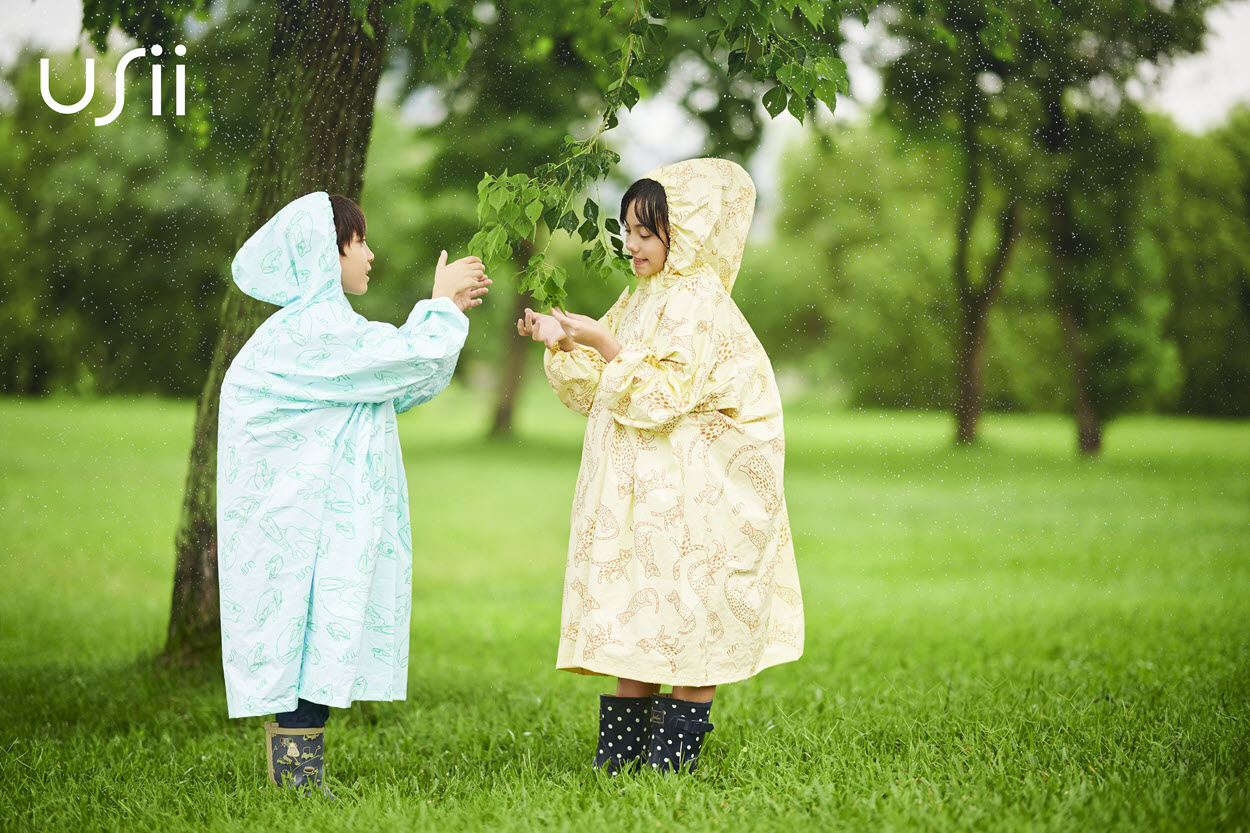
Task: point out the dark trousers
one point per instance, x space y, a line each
306 716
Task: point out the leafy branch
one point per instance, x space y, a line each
789 43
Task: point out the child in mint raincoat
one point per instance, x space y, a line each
315 543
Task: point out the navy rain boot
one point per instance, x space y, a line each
624 731
295 759
677 730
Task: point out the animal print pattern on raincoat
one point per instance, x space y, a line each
314 537
680 564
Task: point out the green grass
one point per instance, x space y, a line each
1006 638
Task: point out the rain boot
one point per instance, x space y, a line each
677 730
295 758
624 731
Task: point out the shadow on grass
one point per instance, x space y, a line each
144 694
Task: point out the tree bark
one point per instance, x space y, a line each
975 305
316 115
1067 305
516 353
1088 423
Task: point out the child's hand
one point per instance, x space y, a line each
464 281
588 331
545 329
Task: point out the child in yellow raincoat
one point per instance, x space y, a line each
680 568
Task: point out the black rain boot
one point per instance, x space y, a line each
295 758
624 731
677 730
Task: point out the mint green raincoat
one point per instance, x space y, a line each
314 538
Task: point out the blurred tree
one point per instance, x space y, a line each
956 83
1046 80
855 273
1197 209
116 232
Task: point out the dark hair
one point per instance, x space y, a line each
650 202
349 220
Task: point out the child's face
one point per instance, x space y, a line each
355 261
646 247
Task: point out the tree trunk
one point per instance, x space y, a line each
316 115
1088 423
975 305
516 353
970 364
1067 305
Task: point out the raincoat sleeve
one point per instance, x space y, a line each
653 386
574 376
352 360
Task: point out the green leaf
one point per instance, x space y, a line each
605 8
660 8
588 231
612 226
568 223
498 196
497 244
534 211
775 101
827 92
798 106
590 211
658 33
629 96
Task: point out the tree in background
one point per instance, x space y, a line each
958 83
853 284
1038 90
111 234
1197 209
1082 56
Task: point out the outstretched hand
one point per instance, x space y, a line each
463 281
589 332
545 329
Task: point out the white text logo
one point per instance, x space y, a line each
180 104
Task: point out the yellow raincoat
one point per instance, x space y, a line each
681 568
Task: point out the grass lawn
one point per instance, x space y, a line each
1007 638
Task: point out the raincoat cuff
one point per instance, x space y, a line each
441 304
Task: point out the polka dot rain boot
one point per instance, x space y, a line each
677 730
624 731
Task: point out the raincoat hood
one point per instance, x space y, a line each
294 256
710 204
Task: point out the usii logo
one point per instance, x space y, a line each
180 104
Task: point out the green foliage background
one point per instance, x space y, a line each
118 243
